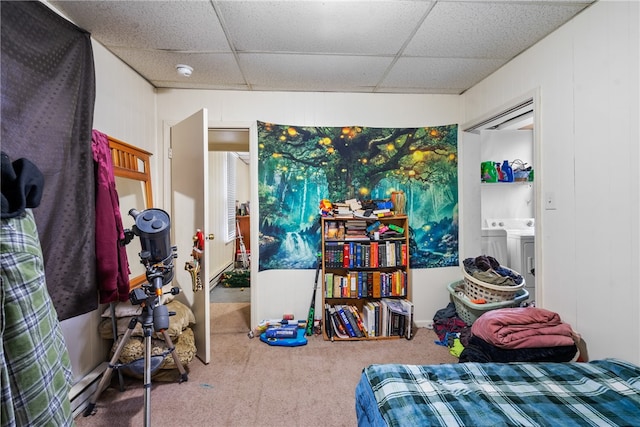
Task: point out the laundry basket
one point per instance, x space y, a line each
477 289
469 311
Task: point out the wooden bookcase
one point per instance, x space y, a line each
365 262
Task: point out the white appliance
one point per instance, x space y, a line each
520 247
494 243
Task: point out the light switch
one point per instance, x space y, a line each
550 201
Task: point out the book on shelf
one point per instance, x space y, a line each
358 318
346 255
346 321
340 287
353 284
399 316
328 327
331 230
409 310
368 318
339 329
328 285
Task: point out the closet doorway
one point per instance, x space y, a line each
509 211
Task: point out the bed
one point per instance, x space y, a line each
602 392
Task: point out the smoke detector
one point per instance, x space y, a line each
184 70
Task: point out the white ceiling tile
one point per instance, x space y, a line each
319 72
486 30
439 73
379 27
168 25
210 68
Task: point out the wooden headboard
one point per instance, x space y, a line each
132 163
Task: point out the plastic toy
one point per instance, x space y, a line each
325 207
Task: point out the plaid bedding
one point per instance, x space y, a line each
35 371
599 393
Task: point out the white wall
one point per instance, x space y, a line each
313 109
124 109
588 248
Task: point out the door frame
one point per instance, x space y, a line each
165 171
476 124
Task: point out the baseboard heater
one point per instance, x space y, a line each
82 391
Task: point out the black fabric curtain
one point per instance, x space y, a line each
48 95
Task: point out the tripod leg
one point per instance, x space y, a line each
147 376
176 359
91 407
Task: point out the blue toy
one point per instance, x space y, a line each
271 338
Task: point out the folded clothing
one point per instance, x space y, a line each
521 327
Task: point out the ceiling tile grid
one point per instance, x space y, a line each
398 46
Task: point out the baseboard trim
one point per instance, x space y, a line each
82 391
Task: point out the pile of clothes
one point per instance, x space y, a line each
488 270
521 334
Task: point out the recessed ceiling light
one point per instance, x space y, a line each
184 70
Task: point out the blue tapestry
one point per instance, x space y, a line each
300 166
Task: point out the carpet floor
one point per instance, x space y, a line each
249 383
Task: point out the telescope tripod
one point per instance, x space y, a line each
150 321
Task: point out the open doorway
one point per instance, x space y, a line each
508 208
229 148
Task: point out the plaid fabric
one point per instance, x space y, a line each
600 393
36 371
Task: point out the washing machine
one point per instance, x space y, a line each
520 247
494 243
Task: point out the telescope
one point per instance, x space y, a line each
153 227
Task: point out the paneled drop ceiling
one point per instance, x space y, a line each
430 47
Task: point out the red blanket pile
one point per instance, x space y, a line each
516 328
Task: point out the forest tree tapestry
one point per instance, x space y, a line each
300 166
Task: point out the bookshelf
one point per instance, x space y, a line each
366 278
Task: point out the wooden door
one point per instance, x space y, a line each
190 211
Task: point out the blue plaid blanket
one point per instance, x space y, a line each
599 393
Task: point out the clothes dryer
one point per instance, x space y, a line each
521 248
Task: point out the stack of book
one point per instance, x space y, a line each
356 230
383 318
342 210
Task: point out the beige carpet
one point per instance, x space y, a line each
249 383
